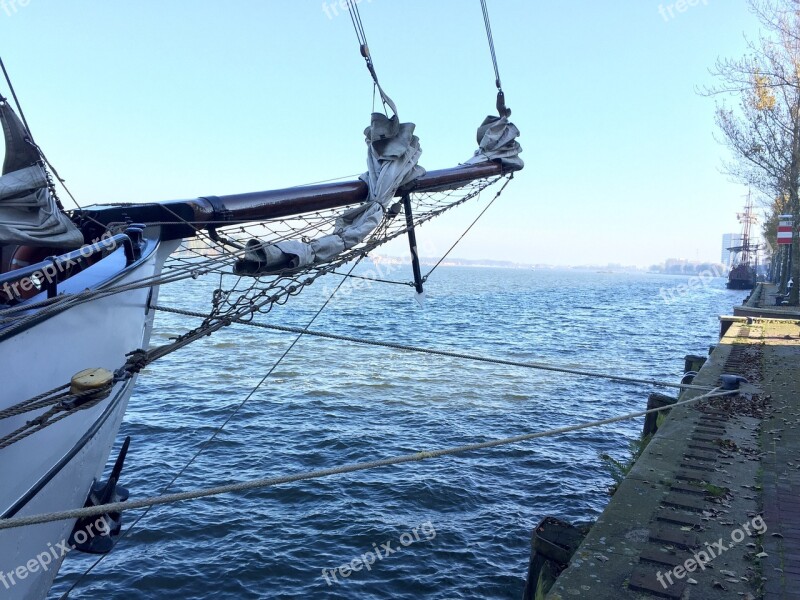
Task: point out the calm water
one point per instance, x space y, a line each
331 403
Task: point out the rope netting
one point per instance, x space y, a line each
216 253
222 249
236 298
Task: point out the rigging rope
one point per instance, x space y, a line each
374 279
501 106
361 35
348 468
213 436
33 143
16 100
448 353
445 255
466 231
62 405
22 407
489 37
286 283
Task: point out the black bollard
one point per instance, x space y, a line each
655 400
693 362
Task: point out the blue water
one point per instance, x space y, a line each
331 403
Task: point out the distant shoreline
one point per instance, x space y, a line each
489 264
499 264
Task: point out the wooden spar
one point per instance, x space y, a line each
205 212
287 202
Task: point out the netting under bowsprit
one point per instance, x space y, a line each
219 252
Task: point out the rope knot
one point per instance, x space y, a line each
137 360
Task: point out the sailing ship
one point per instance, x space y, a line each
79 292
742 275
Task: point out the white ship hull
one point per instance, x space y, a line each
54 468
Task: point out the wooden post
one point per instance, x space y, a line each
412 242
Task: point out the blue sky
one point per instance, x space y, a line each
148 99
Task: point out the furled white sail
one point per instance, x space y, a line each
392 157
497 140
29 214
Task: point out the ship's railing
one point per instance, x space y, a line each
45 275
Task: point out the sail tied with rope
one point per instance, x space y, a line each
393 153
392 162
29 213
296 236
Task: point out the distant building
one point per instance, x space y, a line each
729 240
682 266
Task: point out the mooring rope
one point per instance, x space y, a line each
214 435
448 353
64 301
43 398
242 486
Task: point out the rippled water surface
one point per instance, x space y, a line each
331 403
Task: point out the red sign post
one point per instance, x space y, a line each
785 230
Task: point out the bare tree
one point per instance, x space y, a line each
769 229
763 131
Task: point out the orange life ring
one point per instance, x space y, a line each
27 287
25 256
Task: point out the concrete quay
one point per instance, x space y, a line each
711 509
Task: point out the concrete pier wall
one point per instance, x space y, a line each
688 519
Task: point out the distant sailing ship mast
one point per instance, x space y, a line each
742 275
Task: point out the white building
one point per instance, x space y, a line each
729 240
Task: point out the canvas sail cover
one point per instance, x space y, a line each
497 140
28 212
392 156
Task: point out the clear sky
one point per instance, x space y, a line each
154 99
